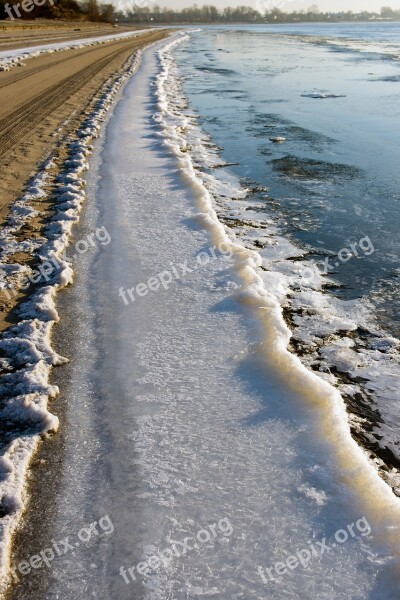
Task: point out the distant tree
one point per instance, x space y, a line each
91 9
59 9
107 13
387 12
275 14
136 12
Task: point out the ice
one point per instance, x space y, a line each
190 406
317 319
322 95
185 407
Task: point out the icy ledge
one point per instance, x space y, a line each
353 465
25 349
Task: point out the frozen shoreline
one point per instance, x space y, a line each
193 427
337 338
184 398
260 292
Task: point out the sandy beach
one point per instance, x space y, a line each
17 34
40 97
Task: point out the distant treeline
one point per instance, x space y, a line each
146 12
245 14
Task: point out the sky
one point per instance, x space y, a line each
337 5
286 5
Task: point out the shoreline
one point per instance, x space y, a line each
315 317
254 298
317 393
156 395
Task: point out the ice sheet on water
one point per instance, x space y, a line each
322 95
